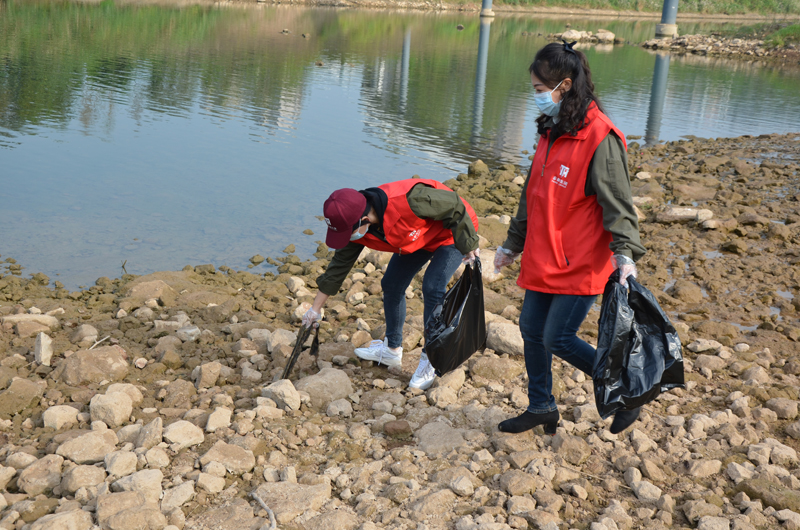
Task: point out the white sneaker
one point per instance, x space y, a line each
424 376
379 351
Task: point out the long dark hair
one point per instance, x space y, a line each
554 63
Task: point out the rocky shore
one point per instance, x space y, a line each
726 47
152 402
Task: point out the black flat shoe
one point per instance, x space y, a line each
528 420
624 419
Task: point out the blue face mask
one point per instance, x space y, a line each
544 100
357 234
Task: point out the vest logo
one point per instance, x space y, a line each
564 171
328 222
414 234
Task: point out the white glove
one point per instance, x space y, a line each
471 256
311 317
503 257
626 268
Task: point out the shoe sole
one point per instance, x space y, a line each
390 364
423 386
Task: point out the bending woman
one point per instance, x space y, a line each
575 224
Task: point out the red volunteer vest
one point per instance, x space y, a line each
566 247
405 232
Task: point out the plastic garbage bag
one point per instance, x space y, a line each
302 337
457 327
639 353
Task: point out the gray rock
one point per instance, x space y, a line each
283 393
573 449
288 500
188 333
206 375
110 504
134 393
150 435
45 320
696 509
183 434
20 395
41 476
84 332
121 463
495 368
43 350
340 407
93 366
219 419
335 520
236 460
112 409
81 476
328 385
89 448
177 496
236 515
786 409
433 504
437 438
516 482
146 517
585 413
646 491
278 337
146 482
58 416
74 520
709 522
703 468
504 338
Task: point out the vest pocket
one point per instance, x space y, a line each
561 256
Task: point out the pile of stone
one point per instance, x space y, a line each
724 47
602 36
155 402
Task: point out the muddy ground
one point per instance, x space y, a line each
145 402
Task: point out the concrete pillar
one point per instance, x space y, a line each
486 9
669 16
404 71
480 79
658 94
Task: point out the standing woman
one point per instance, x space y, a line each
574 226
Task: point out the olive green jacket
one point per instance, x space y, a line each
426 203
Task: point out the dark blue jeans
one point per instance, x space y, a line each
401 270
549 324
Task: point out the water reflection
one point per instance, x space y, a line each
162 136
658 93
480 80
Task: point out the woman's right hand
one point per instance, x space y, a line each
503 257
311 318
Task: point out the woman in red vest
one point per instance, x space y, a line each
419 221
575 224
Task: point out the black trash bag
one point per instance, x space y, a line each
457 327
302 337
638 350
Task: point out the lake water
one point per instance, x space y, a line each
159 137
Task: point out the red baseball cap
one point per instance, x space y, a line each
342 210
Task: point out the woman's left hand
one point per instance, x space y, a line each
471 256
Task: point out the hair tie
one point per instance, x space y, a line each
568 46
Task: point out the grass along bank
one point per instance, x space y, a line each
710 7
